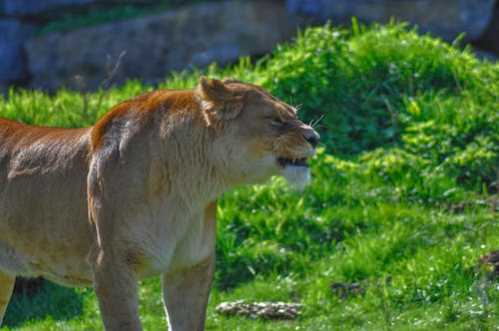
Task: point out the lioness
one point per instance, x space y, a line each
135 195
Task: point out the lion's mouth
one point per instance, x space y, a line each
284 162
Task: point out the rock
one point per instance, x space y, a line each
485 55
12 64
307 7
264 310
155 45
33 7
445 18
489 39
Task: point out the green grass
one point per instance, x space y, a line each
403 202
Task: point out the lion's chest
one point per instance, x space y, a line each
176 241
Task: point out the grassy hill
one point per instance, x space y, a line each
403 203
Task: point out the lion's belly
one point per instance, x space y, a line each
49 242
44 231
56 248
70 271
61 267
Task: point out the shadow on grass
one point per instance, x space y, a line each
60 303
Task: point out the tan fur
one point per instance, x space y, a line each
134 195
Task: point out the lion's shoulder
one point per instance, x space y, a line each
140 110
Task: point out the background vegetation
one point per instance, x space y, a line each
403 203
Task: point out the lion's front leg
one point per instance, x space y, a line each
116 289
186 289
185 295
115 279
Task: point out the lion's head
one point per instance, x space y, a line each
262 136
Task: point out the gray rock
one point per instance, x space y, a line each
307 7
32 7
489 40
484 55
446 18
155 45
264 310
12 63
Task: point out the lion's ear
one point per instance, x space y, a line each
213 90
219 100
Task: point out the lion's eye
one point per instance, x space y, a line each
276 122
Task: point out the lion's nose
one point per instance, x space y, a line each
312 137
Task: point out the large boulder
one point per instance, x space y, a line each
489 40
33 7
12 63
445 18
150 47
